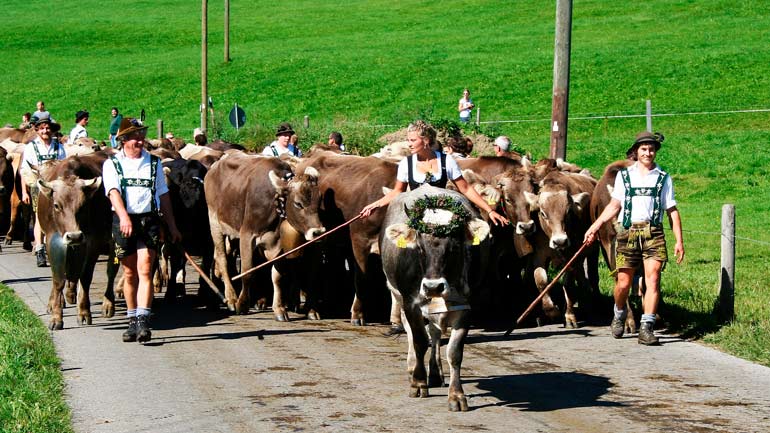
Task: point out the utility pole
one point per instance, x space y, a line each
560 108
227 31
204 62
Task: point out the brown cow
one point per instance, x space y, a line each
348 183
75 215
562 205
23 136
6 189
246 195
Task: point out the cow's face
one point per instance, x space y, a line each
555 206
302 201
514 185
189 181
67 205
443 261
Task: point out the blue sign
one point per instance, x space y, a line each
237 117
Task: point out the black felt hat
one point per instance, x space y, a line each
643 138
284 128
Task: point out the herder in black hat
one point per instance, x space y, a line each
281 143
79 131
642 193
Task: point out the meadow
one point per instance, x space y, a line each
370 67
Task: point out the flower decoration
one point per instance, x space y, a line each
437 215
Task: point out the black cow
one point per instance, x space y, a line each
429 239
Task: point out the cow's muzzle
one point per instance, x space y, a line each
73 238
559 242
433 287
525 228
314 233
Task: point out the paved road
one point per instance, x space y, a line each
211 372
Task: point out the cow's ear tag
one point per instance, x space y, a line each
476 240
116 261
401 242
491 202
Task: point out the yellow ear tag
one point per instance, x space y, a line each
401 242
476 240
491 202
116 261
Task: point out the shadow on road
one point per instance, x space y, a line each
26 280
542 392
524 334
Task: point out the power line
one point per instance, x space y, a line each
631 116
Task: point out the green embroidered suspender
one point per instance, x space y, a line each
49 156
654 192
146 183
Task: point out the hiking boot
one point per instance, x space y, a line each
646 336
143 333
618 325
130 334
42 260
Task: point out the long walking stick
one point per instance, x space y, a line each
297 248
545 291
205 277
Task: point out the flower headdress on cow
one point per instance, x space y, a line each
437 215
645 138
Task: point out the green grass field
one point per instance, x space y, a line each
31 384
358 65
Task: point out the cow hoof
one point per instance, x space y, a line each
396 329
282 316
313 315
231 306
436 381
419 391
241 308
55 325
458 403
85 319
108 309
261 305
570 322
357 322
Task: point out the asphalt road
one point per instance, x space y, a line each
212 372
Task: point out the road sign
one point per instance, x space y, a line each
237 117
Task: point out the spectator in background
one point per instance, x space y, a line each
457 147
79 131
41 112
200 138
465 105
294 146
114 126
281 144
503 146
335 139
26 121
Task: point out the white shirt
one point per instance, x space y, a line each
77 132
137 198
452 169
641 206
268 151
30 156
465 104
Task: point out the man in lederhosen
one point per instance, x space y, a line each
44 148
641 194
134 182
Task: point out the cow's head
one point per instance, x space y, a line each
6 173
514 185
67 199
302 200
188 180
443 254
555 207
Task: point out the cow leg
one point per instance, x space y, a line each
541 281
454 355
570 319
247 262
84 300
279 309
108 300
435 370
418 339
220 258
70 295
55 301
396 325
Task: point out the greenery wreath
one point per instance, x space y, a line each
460 215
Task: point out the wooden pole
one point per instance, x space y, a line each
160 128
205 277
561 59
227 31
306 122
727 270
547 288
204 63
298 248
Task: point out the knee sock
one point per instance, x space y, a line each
648 318
131 313
618 313
141 311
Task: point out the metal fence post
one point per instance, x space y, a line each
306 122
478 116
727 269
649 116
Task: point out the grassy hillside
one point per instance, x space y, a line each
354 65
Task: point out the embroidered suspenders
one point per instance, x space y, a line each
429 179
48 156
653 192
146 183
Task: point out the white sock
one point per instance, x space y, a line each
648 318
618 313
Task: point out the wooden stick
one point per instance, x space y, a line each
347 223
205 277
545 291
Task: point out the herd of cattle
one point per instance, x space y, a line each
233 206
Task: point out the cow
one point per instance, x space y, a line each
599 200
75 216
23 136
188 200
246 198
348 183
426 245
563 216
20 213
6 189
